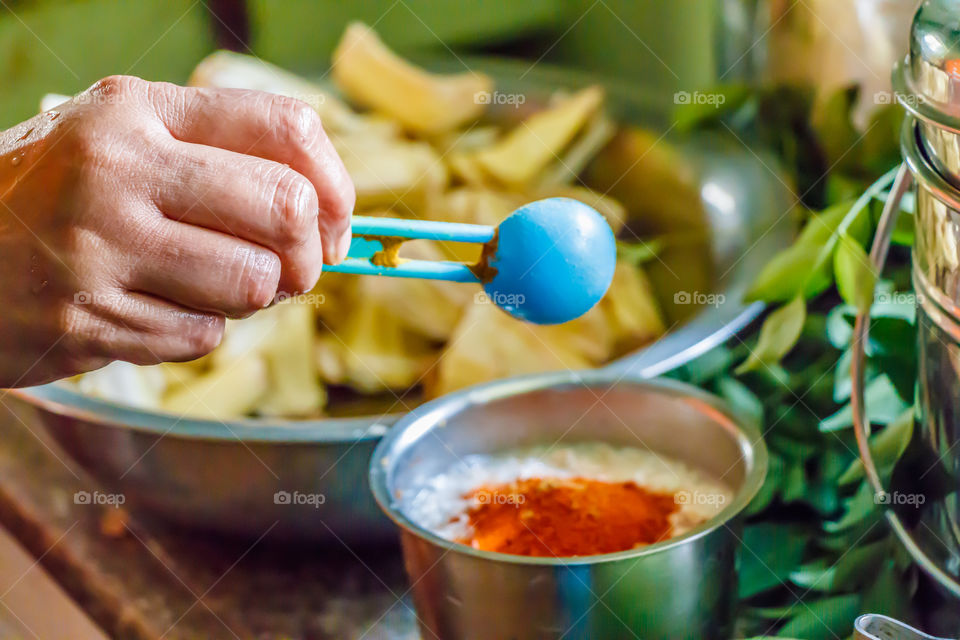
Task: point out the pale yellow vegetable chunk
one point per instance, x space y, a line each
631 309
373 76
465 168
372 352
596 134
472 206
292 368
489 344
429 309
537 142
226 392
391 172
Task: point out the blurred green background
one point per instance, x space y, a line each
63 46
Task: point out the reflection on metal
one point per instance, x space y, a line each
874 627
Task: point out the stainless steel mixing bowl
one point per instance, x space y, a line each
250 476
681 588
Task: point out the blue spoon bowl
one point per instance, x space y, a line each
554 260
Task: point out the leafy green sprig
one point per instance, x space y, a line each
816 550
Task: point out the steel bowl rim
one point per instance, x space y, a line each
748 437
61 400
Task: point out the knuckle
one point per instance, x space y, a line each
298 121
114 89
294 205
202 335
258 275
172 99
73 240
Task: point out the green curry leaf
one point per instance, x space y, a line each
886 446
778 334
854 273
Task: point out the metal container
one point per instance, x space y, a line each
224 476
681 588
928 86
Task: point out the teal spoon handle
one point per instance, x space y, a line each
367 230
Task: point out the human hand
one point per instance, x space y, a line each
136 217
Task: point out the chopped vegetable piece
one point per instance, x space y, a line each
373 76
522 155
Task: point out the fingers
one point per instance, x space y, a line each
262 201
273 127
142 329
207 271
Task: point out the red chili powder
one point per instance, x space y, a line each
556 517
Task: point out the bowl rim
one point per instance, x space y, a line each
425 417
57 398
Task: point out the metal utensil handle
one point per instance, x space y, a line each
861 332
876 627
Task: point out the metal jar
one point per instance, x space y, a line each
682 588
927 84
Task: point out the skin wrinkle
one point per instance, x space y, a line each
294 234
306 132
260 268
132 261
336 195
332 167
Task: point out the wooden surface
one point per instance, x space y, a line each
141 580
32 604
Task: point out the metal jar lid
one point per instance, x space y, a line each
935 54
927 82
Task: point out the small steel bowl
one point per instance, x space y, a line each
685 587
